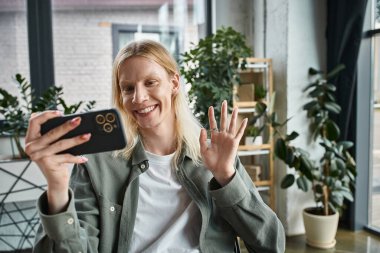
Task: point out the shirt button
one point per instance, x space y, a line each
70 221
112 208
142 166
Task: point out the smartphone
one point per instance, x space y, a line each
106 130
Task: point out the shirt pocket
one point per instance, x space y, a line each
110 215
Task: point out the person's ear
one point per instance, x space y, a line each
175 84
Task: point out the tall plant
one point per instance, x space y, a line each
17 113
211 67
331 177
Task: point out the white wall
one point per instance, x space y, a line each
237 14
292 33
306 48
296 41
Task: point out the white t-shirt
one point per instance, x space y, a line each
167 219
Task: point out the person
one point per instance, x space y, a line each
171 189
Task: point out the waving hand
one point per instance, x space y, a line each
219 154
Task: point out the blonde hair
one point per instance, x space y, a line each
186 125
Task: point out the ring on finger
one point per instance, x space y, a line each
215 129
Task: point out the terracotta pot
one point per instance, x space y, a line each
320 230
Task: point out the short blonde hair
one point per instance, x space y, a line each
187 126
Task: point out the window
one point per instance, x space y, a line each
375 115
123 34
87 35
14 53
368 123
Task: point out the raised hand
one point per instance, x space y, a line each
43 150
219 154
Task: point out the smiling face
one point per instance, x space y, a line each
147 93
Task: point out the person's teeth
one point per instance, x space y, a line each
146 110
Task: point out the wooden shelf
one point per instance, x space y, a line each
244 104
258 71
262 183
255 67
249 150
247 104
255 147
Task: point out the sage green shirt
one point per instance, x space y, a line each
103 201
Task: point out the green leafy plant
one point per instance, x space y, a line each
253 131
332 177
211 67
16 113
260 92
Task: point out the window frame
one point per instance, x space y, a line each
132 28
364 143
40 41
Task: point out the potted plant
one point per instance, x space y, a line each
253 135
260 92
16 113
211 68
331 178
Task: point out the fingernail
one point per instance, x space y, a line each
75 121
84 159
85 136
59 113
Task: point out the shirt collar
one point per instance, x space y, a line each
139 155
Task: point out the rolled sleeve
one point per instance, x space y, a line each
59 226
231 194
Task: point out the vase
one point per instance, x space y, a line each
320 229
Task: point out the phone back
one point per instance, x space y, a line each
106 130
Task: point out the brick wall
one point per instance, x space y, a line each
14 53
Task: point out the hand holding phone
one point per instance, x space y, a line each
106 130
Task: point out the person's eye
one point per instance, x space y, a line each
127 89
151 83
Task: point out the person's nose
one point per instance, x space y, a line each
140 95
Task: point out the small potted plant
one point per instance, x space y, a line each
253 135
16 113
260 93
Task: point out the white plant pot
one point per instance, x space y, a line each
320 230
8 148
249 140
